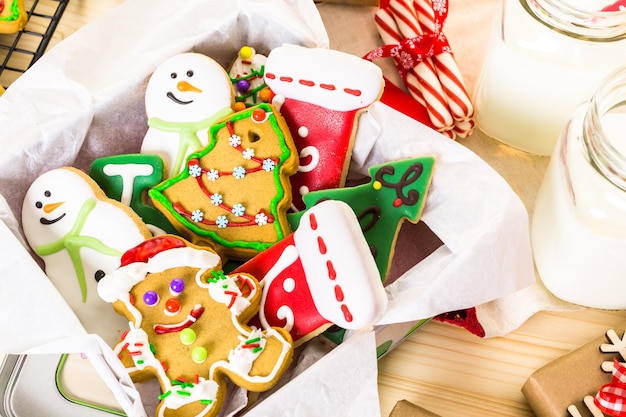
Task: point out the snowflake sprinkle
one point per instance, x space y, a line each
248 154
238 210
216 199
269 165
197 216
221 222
195 170
239 172
234 140
213 174
261 219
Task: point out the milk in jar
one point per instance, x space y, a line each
545 58
578 228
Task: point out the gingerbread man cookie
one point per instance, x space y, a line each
13 16
235 192
320 93
188 326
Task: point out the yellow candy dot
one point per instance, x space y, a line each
187 336
199 354
377 185
246 52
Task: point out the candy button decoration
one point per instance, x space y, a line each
177 286
172 307
199 354
151 298
187 336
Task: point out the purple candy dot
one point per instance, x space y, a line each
243 86
150 298
177 286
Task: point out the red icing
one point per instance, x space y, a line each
352 92
191 319
327 87
149 248
330 132
321 245
339 293
332 273
346 313
308 83
313 221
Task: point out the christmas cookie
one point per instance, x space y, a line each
322 274
246 74
81 235
235 192
127 178
185 95
13 16
188 326
320 93
396 192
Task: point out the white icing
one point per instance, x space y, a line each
218 291
289 284
314 153
303 131
128 173
323 66
118 283
347 249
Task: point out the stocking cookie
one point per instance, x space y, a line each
235 192
127 179
397 191
188 326
81 235
185 95
320 93
322 274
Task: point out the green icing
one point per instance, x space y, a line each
15 12
73 243
403 182
187 132
113 185
158 193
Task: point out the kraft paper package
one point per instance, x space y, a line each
85 99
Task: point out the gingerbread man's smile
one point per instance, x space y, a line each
194 315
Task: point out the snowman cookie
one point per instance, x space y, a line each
188 326
235 192
185 95
81 235
321 93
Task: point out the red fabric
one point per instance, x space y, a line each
611 399
463 318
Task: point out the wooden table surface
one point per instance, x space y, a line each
441 367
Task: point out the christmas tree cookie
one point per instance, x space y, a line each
235 192
397 191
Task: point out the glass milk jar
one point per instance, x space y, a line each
579 224
544 59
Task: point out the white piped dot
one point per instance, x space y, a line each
303 131
289 284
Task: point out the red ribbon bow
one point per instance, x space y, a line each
409 52
611 399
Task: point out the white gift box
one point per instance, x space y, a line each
85 99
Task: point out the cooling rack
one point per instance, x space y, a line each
18 51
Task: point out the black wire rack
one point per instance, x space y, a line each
20 50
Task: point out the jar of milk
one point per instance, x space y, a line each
579 224
545 58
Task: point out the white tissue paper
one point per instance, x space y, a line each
85 99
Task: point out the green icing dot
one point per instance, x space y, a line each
187 336
199 354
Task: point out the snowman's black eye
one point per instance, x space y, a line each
47 193
98 275
173 75
38 204
190 73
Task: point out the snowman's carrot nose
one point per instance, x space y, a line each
48 208
185 86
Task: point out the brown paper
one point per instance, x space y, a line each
406 409
567 380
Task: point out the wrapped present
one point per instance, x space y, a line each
406 409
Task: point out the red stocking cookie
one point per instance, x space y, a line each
321 274
187 326
322 92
